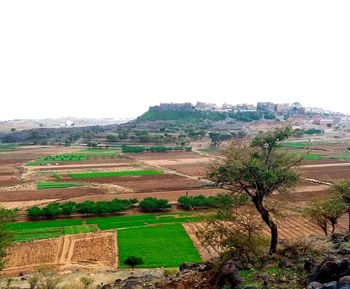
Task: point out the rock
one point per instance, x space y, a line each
189 266
106 286
343 251
283 263
337 238
309 264
330 285
315 285
229 274
347 237
132 284
344 282
328 271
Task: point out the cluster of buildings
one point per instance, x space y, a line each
268 107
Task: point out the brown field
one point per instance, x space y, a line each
150 183
60 194
88 251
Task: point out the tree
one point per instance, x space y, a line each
133 261
154 204
327 210
258 168
6 236
342 188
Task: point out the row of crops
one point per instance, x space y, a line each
79 156
55 185
99 174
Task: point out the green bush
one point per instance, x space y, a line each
86 208
219 201
154 204
133 261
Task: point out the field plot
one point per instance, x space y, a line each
194 170
70 252
154 183
55 185
326 173
159 246
58 194
125 222
97 174
75 157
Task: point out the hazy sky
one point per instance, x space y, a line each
115 58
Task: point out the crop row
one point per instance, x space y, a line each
114 174
55 185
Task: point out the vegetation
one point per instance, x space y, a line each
153 149
98 174
124 222
55 185
86 208
322 212
342 189
133 261
154 205
158 246
219 201
6 237
79 156
258 169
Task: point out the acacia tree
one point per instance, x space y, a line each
327 210
258 168
342 188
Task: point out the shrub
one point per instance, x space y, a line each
154 204
133 261
219 201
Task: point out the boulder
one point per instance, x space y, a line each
315 285
330 285
344 282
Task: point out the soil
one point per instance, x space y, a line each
90 251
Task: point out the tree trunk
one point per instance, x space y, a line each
349 221
265 215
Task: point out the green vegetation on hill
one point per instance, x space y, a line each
114 174
159 246
180 115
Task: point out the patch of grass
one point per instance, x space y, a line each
79 156
79 229
114 174
35 234
42 224
342 156
55 185
160 246
124 222
310 156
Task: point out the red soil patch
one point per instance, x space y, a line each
191 170
150 183
326 173
61 194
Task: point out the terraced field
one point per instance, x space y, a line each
158 246
98 174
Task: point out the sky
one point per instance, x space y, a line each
115 58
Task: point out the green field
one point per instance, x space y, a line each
79 229
342 156
124 222
79 156
159 246
114 174
55 185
